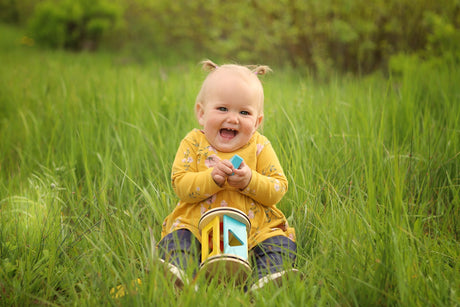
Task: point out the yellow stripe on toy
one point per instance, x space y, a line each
212 230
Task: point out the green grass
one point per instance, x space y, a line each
87 143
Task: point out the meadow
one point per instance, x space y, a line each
86 146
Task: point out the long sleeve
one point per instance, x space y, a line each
268 183
190 184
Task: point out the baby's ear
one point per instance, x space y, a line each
199 113
259 120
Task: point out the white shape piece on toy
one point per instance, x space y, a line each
236 161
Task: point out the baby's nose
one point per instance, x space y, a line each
232 117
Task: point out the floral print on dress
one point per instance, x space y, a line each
203 153
268 214
277 185
176 223
259 148
187 160
269 170
194 194
211 161
210 148
211 199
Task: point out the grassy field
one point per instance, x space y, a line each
87 143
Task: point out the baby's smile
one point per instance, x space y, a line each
228 133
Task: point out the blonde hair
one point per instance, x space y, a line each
250 73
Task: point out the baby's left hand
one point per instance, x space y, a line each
241 177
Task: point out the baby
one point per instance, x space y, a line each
229 108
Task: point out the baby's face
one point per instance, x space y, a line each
230 112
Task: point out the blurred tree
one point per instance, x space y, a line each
74 24
17 11
326 35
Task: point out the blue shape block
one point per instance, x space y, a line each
236 162
238 231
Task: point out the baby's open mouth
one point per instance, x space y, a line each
228 133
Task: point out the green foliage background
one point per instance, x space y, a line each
326 35
87 141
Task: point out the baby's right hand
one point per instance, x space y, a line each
221 171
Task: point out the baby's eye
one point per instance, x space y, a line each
244 113
223 109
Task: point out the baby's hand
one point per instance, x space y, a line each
221 171
241 177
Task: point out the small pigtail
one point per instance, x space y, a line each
260 70
209 65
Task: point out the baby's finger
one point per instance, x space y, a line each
226 167
219 179
227 164
242 165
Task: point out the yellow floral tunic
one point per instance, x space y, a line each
198 193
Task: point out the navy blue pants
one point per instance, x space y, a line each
183 249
